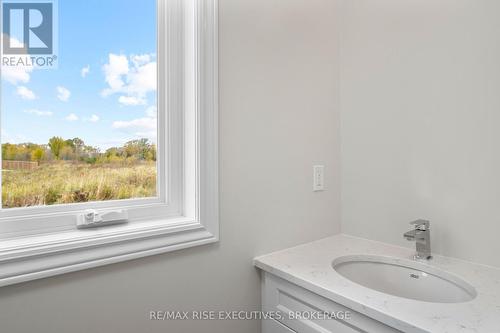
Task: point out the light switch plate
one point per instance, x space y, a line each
318 178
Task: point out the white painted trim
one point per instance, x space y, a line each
59 250
65 253
26 221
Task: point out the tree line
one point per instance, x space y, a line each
59 149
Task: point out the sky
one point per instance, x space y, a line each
104 90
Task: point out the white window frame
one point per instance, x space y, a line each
41 242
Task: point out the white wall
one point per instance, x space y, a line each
278 116
420 109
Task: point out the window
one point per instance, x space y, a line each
110 107
85 130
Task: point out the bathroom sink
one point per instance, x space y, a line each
404 278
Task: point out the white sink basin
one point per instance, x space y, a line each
404 278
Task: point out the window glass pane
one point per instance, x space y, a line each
78 101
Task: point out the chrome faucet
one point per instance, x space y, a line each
422 236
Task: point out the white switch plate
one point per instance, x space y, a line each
318 178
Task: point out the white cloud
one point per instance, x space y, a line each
144 127
72 117
133 78
16 43
39 113
114 72
143 79
141 59
16 74
140 123
94 118
63 94
131 100
85 71
25 93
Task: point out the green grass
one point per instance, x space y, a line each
61 183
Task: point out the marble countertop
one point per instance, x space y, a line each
310 266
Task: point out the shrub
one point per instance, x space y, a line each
51 196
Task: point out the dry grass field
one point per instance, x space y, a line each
67 182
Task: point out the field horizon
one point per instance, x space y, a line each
64 182
67 171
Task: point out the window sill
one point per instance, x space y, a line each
193 126
29 258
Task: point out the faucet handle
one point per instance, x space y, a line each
421 225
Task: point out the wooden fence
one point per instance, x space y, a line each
19 165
